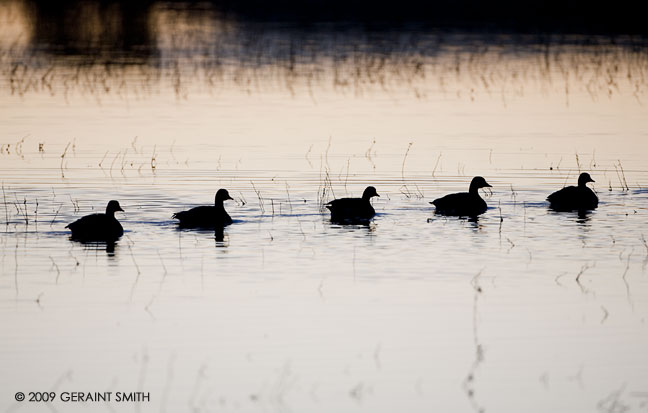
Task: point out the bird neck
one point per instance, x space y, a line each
473 190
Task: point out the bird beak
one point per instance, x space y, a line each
377 194
229 197
591 180
120 209
488 185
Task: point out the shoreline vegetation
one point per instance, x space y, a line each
192 56
137 49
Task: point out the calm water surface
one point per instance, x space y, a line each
523 309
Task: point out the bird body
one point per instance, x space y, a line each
353 210
98 227
467 204
206 216
574 198
460 204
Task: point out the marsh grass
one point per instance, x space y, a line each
4 197
209 53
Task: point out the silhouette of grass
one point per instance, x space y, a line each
188 58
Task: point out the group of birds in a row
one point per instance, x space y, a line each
99 227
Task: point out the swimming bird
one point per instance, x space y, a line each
467 204
98 227
353 210
574 198
206 216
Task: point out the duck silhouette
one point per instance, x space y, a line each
206 216
574 198
467 204
353 210
98 227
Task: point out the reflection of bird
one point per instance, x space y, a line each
219 235
98 227
353 210
573 198
206 216
467 204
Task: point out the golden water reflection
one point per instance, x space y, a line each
522 310
192 50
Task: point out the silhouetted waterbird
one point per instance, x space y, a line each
206 216
574 198
353 210
467 204
98 227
